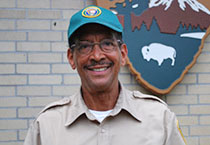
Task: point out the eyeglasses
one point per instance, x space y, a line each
85 47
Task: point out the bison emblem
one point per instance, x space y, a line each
159 53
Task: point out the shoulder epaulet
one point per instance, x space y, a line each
56 103
138 94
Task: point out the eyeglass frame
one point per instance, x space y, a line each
74 45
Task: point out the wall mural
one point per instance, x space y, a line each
164 38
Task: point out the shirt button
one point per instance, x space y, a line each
103 130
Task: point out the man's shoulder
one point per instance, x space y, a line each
146 106
137 95
53 109
56 104
151 98
51 112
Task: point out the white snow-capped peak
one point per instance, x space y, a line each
155 3
194 4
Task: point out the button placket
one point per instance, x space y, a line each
103 134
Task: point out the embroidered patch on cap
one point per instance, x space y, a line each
91 12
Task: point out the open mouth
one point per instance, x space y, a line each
99 68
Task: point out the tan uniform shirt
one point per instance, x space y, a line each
137 119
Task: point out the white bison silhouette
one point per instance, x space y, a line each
159 52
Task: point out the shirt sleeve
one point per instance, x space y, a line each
33 135
174 135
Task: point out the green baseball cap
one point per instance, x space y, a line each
94 14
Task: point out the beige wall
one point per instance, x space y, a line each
34 70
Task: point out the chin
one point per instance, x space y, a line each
101 85
106 84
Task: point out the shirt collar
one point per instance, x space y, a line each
76 109
125 101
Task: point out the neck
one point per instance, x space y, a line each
101 100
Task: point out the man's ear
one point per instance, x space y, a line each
70 57
124 54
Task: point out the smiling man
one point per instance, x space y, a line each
97 53
103 111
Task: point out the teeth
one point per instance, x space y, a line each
100 69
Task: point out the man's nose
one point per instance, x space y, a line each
97 54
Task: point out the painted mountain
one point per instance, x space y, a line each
174 12
164 38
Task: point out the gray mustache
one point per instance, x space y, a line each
94 63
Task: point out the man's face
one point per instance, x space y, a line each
98 70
